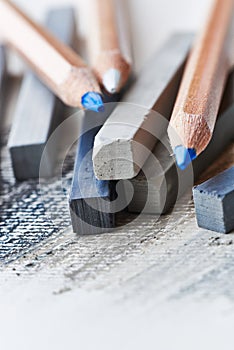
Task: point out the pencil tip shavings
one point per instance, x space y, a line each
214 202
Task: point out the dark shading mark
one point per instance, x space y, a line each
24 222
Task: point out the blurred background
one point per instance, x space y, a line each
151 20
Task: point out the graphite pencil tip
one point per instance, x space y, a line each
93 102
184 156
111 80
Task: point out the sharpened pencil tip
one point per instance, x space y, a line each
111 80
93 102
184 156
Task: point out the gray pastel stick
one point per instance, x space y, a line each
117 154
156 188
214 202
2 77
38 111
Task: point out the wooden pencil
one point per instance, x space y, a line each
90 199
214 201
109 43
196 108
157 188
57 65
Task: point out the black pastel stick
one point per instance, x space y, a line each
38 111
91 205
159 192
214 202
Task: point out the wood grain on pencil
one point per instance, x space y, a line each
109 44
202 87
55 63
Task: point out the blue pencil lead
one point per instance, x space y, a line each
93 102
184 156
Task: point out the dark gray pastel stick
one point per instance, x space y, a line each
132 128
91 200
38 111
156 188
214 202
3 74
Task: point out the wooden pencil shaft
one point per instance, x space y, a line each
116 155
38 110
202 86
55 63
162 186
109 39
107 25
107 19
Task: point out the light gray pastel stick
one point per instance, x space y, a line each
156 188
117 150
38 111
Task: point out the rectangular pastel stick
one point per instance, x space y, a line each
214 202
119 148
159 192
91 199
38 111
2 77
